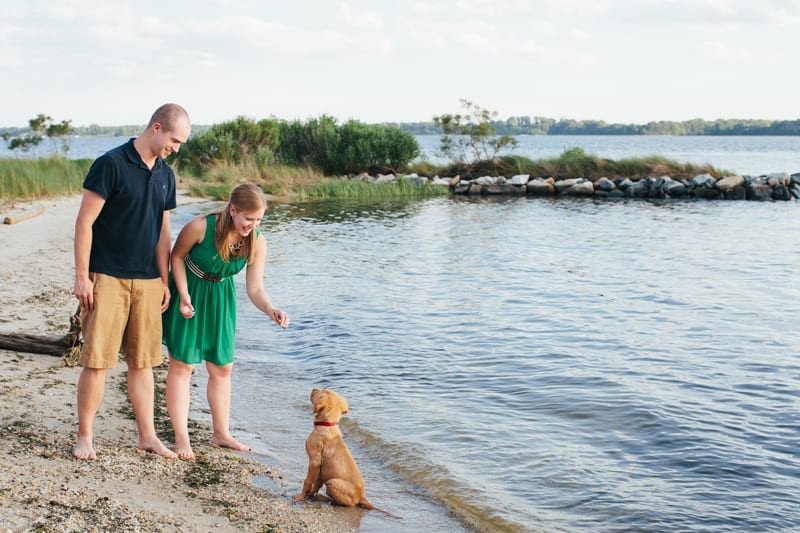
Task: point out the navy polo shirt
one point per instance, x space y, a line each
126 232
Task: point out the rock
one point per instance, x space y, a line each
676 189
560 185
540 187
703 180
778 178
604 184
781 192
707 193
581 188
505 188
739 193
623 183
759 192
519 179
388 178
729 183
461 187
417 180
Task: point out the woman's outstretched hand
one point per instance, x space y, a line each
280 318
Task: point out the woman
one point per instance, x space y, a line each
200 322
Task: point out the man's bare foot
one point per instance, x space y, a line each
185 453
83 449
230 442
156 446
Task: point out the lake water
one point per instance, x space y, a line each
739 154
536 365
526 364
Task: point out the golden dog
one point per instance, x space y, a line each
329 460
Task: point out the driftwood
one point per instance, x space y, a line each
67 346
25 215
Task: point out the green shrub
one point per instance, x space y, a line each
238 141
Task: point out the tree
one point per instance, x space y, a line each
471 138
61 133
40 126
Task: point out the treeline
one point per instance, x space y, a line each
128 130
526 126
549 126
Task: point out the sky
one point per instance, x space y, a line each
112 62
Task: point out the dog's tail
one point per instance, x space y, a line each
366 504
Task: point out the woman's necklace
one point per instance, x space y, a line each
236 246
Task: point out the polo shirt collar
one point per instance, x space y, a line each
134 157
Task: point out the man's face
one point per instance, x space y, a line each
170 141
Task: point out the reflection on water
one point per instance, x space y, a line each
526 364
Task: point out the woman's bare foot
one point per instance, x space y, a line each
230 442
83 449
185 453
158 447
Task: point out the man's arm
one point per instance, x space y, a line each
91 205
162 258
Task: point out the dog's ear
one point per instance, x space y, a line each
319 399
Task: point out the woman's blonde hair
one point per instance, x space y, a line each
244 198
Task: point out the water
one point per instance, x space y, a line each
536 365
736 154
740 154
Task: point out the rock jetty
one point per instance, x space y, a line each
779 186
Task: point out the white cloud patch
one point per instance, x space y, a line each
359 19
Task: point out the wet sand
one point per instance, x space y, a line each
42 487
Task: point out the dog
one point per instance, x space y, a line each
329 461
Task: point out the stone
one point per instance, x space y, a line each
781 192
707 193
566 184
738 193
703 180
759 192
778 178
729 183
604 184
540 187
520 179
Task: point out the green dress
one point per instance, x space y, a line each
209 335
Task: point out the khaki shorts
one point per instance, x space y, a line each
126 317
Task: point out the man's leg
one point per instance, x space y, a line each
91 387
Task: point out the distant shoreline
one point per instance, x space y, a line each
525 125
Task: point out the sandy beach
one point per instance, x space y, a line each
43 488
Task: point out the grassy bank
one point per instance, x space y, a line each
25 179
575 163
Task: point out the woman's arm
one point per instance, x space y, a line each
255 285
191 235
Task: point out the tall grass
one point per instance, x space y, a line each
349 189
575 163
26 179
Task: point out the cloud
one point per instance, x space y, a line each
360 19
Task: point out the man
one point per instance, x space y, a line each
122 245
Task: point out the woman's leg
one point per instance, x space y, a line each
219 399
179 377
